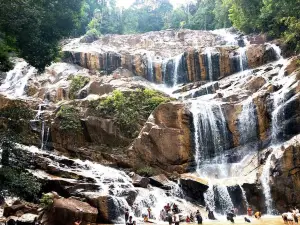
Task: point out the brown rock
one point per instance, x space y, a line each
165 139
255 84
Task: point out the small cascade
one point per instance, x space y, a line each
209 63
209 198
248 122
277 51
265 181
150 73
243 59
277 114
223 198
244 197
16 79
210 131
176 64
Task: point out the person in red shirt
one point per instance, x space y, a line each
188 220
249 211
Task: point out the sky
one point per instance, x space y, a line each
127 3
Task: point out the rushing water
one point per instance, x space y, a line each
176 68
208 52
265 181
244 196
243 58
150 73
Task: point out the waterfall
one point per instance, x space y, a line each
150 73
209 198
209 62
265 181
223 198
248 122
278 100
243 58
244 196
176 67
210 133
16 79
277 51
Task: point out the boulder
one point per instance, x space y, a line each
66 211
165 140
193 186
18 208
111 209
27 219
161 181
139 181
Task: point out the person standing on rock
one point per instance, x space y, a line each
126 215
198 217
170 220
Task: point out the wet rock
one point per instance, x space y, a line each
64 211
27 219
110 208
255 84
139 181
194 187
160 181
18 208
129 194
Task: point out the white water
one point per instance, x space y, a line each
244 196
209 61
209 198
176 67
230 38
16 79
243 59
265 182
247 122
224 198
150 68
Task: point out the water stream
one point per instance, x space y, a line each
176 68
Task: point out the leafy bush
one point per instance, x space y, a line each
16 113
20 183
46 201
69 119
77 83
147 171
130 108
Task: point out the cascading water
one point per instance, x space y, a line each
248 122
223 198
176 67
209 198
244 197
16 79
208 52
243 59
150 73
265 182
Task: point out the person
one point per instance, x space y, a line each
257 215
284 217
230 216
211 215
296 215
77 222
290 218
249 211
207 208
247 220
188 220
149 212
175 208
130 222
170 219
176 219
192 217
167 208
198 217
126 215
163 215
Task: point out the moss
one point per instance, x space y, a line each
69 119
130 108
16 113
77 83
146 171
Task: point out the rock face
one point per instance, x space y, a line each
67 211
165 139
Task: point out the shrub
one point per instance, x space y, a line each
77 83
146 171
20 183
69 119
130 108
46 201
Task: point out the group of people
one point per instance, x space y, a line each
291 217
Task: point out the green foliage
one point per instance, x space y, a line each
16 113
37 26
77 83
20 183
46 201
69 119
146 171
130 108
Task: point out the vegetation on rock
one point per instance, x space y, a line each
146 171
46 201
69 119
20 183
77 83
130 108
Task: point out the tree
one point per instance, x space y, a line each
37 26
